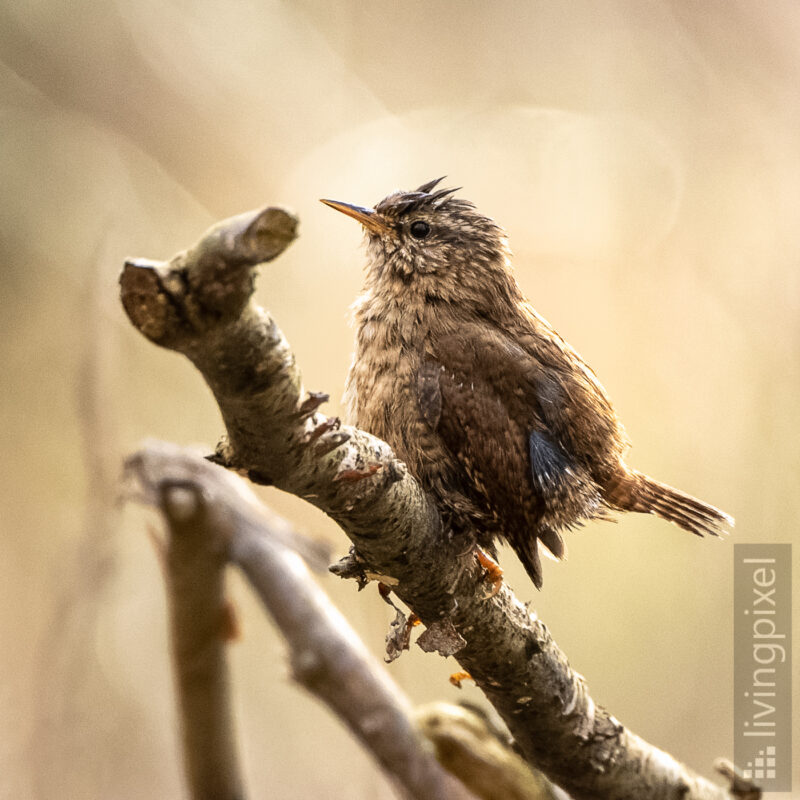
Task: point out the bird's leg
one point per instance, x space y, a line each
494 572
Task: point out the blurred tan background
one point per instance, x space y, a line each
645 159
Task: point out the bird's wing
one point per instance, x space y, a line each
491 402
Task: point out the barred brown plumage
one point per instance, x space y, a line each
492 411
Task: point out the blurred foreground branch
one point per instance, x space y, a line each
469 748
200 621
213 518
200 303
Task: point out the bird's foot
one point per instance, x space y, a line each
494 572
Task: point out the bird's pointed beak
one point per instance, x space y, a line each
366 216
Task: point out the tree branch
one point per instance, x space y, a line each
214 518
467 746
200 622
199 303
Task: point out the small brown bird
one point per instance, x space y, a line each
492 411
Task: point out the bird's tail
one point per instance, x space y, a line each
634 491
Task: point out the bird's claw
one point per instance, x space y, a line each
494 572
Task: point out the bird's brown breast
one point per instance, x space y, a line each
382 396
381 385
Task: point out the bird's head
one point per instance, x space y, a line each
433 242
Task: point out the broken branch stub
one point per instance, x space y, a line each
211 283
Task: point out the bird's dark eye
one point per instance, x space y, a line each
420 229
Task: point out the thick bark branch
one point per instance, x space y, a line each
199 304
213 518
